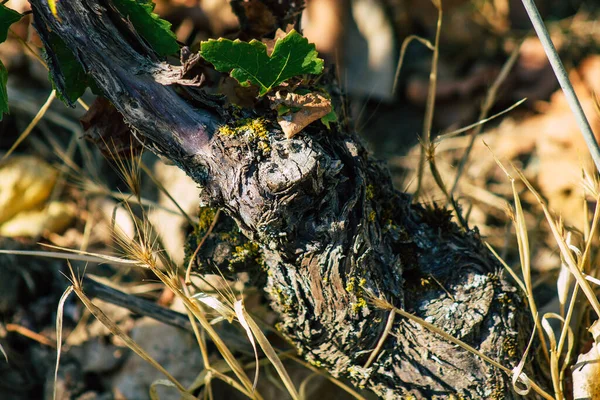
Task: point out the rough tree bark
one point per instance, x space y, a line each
333 231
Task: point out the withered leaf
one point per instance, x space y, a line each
104 126
302 110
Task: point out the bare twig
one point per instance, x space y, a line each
428 122
135 304
563 80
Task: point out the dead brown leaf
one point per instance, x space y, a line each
104 126
313 106
238 94
279 34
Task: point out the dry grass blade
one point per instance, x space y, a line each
567 335
218 370
524 256
127 168
144 252
70 254
323 373
59 323
239 311
437 177
224 310
165 382
83 104
29 48
479 123
188 270
115 330
266 348
507 268
563 79
201 340
518 376
3 353
162 188
591 183
32 124
564 248
92 188
555 370
563 286
199 315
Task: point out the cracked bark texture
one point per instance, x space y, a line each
333 231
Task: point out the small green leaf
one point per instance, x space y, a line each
249 62
283 109
156 31
3 94
75 80
327 119
7 18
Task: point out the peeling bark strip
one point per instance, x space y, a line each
333 231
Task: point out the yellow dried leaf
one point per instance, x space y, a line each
25 183
55 218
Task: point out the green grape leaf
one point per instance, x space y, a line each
156 31
3 94
248 62
7 18
70 81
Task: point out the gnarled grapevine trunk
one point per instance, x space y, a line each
333 231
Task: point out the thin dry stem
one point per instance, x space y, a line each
188 270
21 330
428 121
32 124
403 49
485 109
59 321
382 339
565 251
162 188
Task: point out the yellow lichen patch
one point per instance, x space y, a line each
350 285
372 216
360 303
226 130
253 130
249 251
370 192
510 346
357 289
205 218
